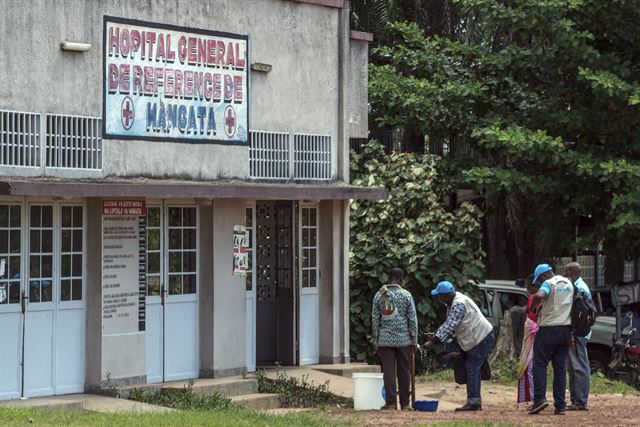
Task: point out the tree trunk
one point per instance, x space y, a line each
504 344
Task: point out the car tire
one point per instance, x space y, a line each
599 361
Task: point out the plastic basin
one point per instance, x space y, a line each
426 405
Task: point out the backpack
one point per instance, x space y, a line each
583 313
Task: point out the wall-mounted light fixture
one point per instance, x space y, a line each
75 46
261 68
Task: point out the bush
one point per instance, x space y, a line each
413 230
300 393
182 398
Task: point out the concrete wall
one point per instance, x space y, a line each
205 255
333 306
358 115
228 292
300 94
94 294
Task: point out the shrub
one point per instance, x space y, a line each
300 393
182 398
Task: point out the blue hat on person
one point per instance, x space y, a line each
539 271
443 287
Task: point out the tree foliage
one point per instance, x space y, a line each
411 230
546 95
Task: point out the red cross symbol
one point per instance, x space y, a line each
127 112
230 121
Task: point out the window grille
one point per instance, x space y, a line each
19 138
269 155
311 157
74 142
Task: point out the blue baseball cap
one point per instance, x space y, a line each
539 271
443 287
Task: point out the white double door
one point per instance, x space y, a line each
42 303
172 350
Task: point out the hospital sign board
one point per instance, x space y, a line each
170 83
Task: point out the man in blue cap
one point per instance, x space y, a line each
553 338
472 331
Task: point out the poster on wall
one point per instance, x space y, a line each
123 266
240 250
169 83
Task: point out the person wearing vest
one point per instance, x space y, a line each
473 333
395 331
578 362
553 338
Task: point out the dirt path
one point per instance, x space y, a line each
499 406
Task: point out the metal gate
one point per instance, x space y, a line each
275 317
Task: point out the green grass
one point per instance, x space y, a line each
602 385
233 417
504 372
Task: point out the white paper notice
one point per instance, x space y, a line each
3 266
120 262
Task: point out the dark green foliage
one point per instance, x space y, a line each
182 398
412 230
300 393
544 97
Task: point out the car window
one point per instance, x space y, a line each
508 300
603 302
487 303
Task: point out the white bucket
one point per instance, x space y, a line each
367 391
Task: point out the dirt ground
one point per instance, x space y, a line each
499 406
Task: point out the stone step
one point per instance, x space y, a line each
229 387
347 369
258 401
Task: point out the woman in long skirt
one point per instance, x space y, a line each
525 375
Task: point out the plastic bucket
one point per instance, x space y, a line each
366 391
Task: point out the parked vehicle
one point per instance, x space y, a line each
625 363
497 296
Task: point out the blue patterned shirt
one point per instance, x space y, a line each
454 317
398 327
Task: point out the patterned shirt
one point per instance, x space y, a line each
397 326
454 317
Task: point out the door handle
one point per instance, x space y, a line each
24 300
163 294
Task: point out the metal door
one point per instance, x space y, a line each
172 350
250 294
309 331
41 299
275 314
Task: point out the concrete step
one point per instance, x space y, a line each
258 401
347 369
229 387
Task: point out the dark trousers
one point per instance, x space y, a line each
475 358
551 345
396 361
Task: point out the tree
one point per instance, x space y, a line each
545 94
411 230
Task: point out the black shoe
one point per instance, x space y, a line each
469 407
560 412
536 408
406 408
577 407
388 407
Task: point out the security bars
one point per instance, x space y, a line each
284 156
19 138
74 142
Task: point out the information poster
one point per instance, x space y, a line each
240 253
123 266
